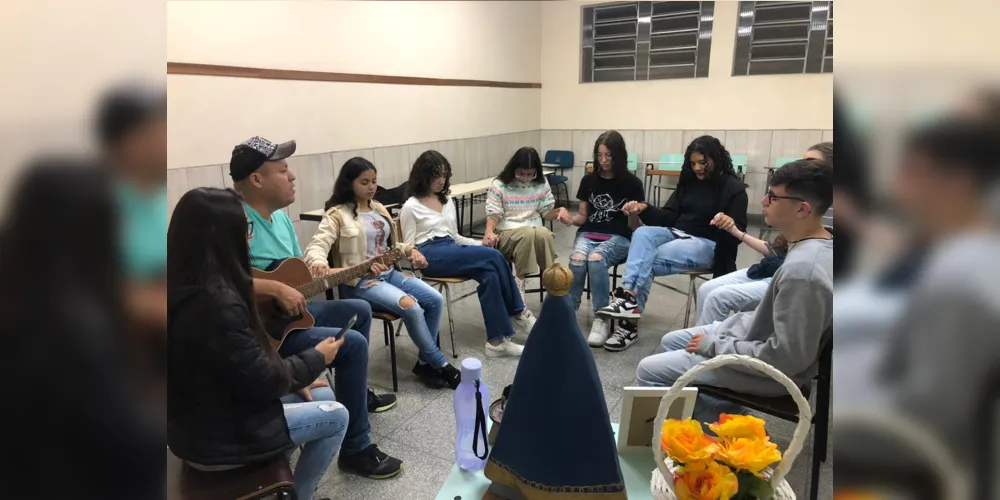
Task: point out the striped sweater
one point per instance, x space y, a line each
518 205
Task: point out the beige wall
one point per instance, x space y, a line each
208 115
719 101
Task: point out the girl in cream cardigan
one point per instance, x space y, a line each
356 228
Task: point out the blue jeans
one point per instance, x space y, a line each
317 428
733 292
655 251
422 319
611 252
350 367
663 369
499 298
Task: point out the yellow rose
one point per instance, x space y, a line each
685 442
705 481
739 426
753 455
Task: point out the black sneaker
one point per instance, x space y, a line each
450 375
380 403
430 376
622 305
626 333
371 463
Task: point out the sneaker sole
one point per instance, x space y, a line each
617 349
596 344
385 408
492 354
624 315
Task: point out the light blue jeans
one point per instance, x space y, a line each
611 252
317 428
422 319
655 251
734 292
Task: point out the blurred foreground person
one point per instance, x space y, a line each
70 367
940 357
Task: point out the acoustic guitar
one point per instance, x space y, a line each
295 273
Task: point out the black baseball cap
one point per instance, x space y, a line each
253 153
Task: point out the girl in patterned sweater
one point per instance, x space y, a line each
516 205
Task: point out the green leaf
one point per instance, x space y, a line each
752 487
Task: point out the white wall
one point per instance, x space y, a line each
208 115
718 102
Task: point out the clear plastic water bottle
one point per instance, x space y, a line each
472 401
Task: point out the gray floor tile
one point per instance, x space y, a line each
421 478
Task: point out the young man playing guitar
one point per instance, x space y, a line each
260 173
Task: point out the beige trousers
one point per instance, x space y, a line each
529 248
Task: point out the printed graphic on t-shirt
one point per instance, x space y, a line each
604 208
379 236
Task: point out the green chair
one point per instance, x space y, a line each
633 162
778 162
668 165
740 165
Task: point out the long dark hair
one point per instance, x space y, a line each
426 169
525 158
619 155
207 246
825 149
712 149
343 188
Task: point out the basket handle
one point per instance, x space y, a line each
798 437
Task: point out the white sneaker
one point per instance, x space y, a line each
598 332
505 349
524 322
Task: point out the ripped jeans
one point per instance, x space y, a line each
422 319
317 428
611 252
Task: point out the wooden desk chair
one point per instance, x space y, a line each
444 286
390 339
250 482
786 409
691 292
667 165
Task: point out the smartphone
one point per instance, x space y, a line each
350 324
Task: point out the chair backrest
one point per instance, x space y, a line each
633 162
559 157
739 161
672 162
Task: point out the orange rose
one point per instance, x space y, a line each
685 442
705 481
753 455
739 426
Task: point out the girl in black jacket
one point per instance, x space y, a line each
226 383
680 236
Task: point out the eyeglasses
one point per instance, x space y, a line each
770 196
603 155
249 228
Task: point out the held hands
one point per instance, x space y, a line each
490 239
417 259
291 300
634 208
563 216
723 221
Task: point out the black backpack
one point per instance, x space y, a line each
393 196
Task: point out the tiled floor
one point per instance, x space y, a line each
421 429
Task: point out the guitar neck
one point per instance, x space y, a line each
320 285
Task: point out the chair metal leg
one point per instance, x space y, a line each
391 337
451 320
692 291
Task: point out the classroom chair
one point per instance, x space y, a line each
271 479
667 165
444 286
785 408
691 292
558 182
740 165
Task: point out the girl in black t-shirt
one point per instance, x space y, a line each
603 238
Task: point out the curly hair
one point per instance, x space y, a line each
825 149
712 149
619 155
525 158
428 167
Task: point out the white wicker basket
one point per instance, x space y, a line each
662 484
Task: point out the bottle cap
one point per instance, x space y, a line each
472 369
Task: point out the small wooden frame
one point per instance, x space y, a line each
639 407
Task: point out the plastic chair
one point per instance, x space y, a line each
740 165
565 160
691 292
668 165
633 162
